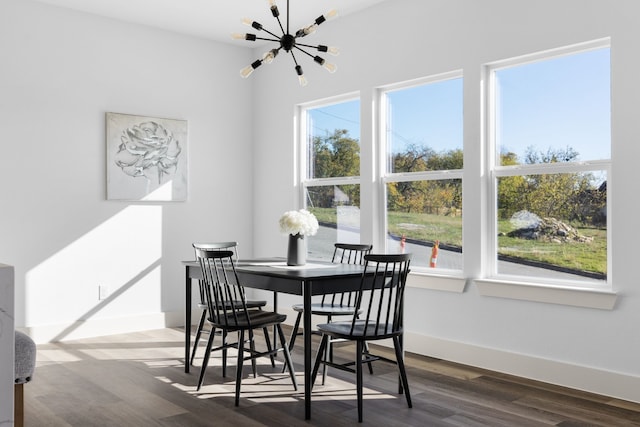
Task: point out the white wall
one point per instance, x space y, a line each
585 348
60 72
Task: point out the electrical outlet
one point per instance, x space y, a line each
103 292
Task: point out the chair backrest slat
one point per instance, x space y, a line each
346 253
225 297
380 298
220 246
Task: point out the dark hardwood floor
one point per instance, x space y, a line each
138 379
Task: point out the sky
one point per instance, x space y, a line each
564 102
561 102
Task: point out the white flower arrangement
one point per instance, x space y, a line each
300 222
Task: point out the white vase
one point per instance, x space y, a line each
297 250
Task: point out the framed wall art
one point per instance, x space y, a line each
146 158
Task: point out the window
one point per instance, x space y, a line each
422 139
550 143
331 182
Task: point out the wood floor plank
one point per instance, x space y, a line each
138 379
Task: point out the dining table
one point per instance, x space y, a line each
273 274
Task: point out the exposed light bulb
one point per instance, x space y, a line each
274 8
327 66
320 19
252 23
330 67
310 29
329 49
301 79
246 71
246 36
269 56
332 50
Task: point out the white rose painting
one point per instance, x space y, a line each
146 158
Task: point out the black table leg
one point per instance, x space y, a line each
306 295
275 328
187 320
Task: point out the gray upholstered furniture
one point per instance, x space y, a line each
25 364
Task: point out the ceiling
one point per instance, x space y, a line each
213 19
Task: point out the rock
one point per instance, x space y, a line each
552 230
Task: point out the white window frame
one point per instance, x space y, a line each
306 181
386 176
568 292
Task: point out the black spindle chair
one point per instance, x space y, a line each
336 304
202 305
227 310
380 301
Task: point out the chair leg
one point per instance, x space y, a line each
198 333
239 365
18 405
359 345
224 353
401 368
294 334
287 356
328 355
269 348
366 352
252 347
205 361
319 358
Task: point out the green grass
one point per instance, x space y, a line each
589 257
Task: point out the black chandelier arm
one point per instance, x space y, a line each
276 15
306 45
297 46
270 33
271 40
294 58
320 47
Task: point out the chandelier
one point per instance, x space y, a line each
288 42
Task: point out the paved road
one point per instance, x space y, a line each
321 247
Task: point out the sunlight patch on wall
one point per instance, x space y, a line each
112 270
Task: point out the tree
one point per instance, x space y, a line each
570 196
335 155
512 190
438 196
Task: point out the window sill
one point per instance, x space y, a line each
552 294
438 282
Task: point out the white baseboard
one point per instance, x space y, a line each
100 327
607 383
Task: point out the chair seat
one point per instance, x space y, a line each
343 330
250 304
327 309
257 319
